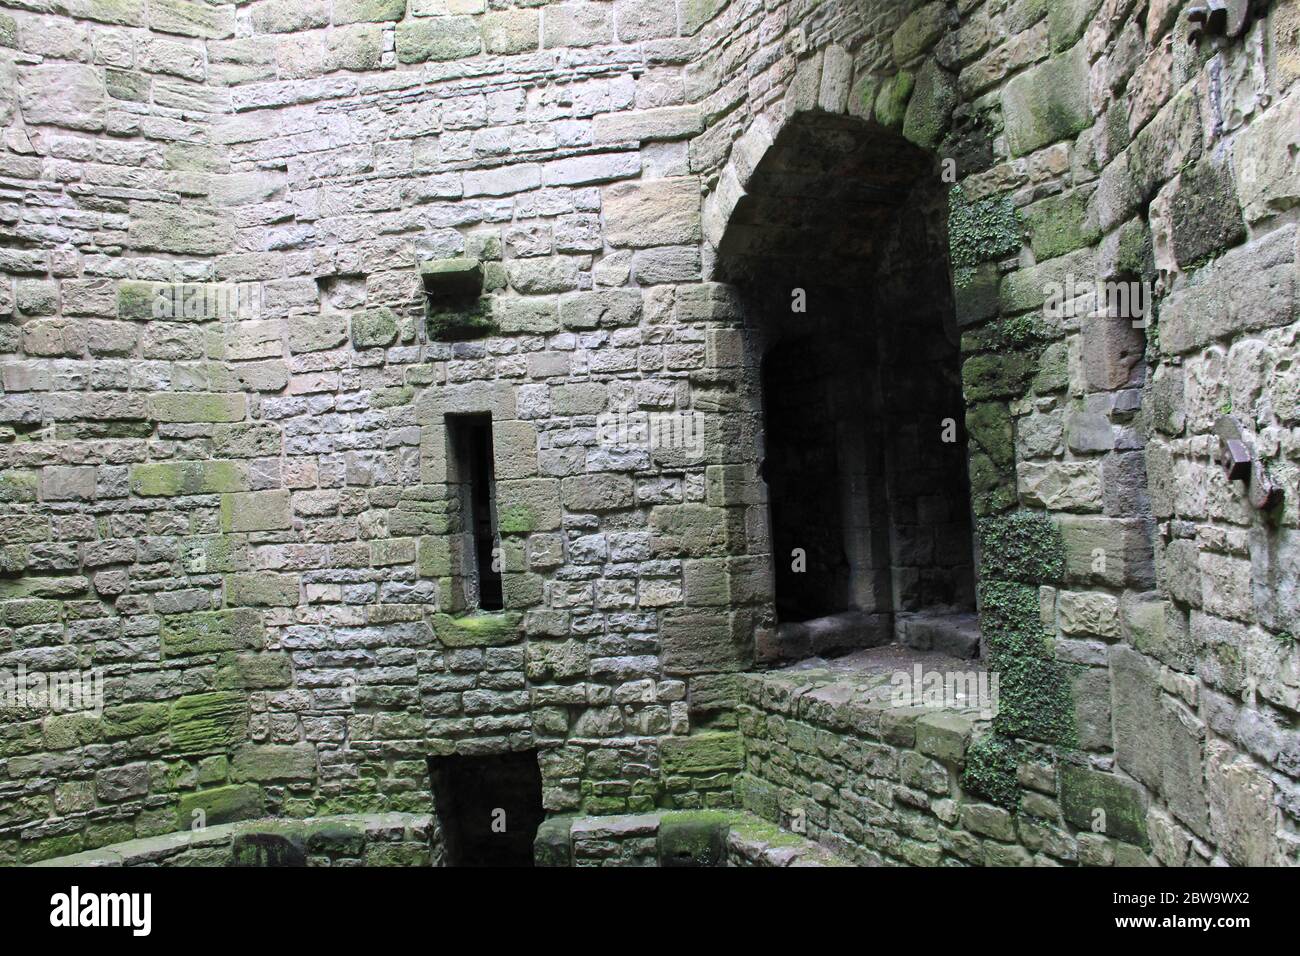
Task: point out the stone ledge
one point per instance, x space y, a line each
322 835
690 838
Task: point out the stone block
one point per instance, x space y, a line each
437 39
188 478
1243 815
1048 102
1061 485
943 736
656 212
374 328
262 590
198 407
929 110
208 723
528 505
597 492
69 95
207 632
702 641
263 763
578 24
510 31
1140 739
479 629
67 483
708 752
1101 802
1268 178
218 805
662 123
255 511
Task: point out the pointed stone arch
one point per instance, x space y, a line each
853 214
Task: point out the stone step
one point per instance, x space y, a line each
833 634
953 633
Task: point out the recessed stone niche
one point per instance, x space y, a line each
454 307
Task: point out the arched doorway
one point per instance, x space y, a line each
839 248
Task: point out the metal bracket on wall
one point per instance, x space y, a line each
1240 464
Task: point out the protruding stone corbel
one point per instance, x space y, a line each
455 308
1239 463
1220 18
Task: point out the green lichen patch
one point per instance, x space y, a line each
517 520
168 478
687 839
891 101
997 375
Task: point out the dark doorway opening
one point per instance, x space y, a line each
840 250
489 807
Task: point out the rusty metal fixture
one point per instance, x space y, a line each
1235 460
1240 464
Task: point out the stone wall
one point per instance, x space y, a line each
833 756
244 519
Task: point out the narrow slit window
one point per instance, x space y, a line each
471 442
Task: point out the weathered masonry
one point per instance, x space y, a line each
413 404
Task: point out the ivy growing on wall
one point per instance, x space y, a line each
1019 552
980 230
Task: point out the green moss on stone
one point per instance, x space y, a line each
707 752
164 479
480 629
461 323
687 839
220 805
1092 799
1061 224
135 720
207 632
997 375
210 722
517 520
135 300
374 328
18 487
891 101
